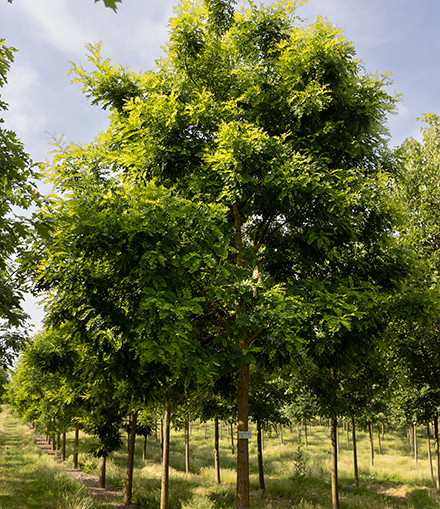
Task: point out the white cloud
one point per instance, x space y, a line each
25 115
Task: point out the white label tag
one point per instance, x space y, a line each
246 435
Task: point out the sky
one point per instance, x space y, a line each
397 36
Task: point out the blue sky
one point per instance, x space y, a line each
399 36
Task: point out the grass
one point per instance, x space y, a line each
297 477
31 479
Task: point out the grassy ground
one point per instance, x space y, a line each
394 482
297 481
30 479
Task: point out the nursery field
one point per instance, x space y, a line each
297 476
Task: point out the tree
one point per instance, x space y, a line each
415 335
280 124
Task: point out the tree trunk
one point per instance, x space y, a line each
337 437
261 483
437 454
281 435
378 441
428 435
102 472
305 434
355 459
63 447
232 439
334 439
144 449
415 444
128 494
161 437
216 451
242 501
75 447
187 470
370 429
166 456
58 442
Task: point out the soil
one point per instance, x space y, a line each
106 495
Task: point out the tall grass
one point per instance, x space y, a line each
31 479
297 477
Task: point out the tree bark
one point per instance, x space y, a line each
334 439
187 470
144 449
415 445
370 429
261 483
102 472
355 459
216 451
232 439
305 434
437 454
242 501
166 456
75 447
63 447
378 441
281 435
428 436
128 493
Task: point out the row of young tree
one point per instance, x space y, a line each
242 221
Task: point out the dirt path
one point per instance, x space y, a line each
103 496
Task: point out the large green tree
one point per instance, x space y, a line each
279 123
416 334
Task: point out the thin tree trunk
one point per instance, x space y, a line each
128 494
63 447
334 439
261 483
216 451
297 430
144 449
232 439
76 446
370 429
187 470
437 454
166 456
355 459
379 441
415 445
204 430
337 437
428 435
161 437
281 435
242 445
58 442
305 434
102 472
